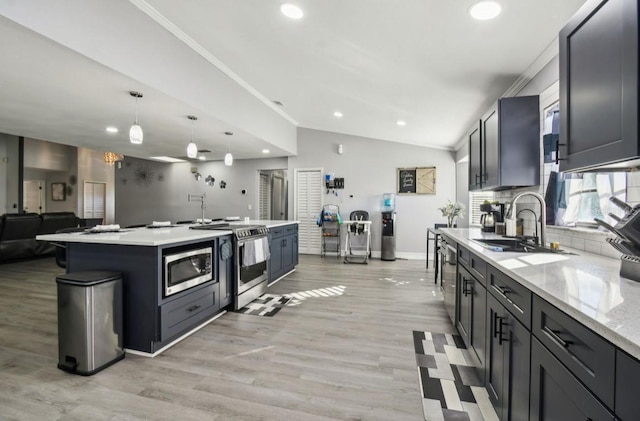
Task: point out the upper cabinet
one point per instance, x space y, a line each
599 86
505 150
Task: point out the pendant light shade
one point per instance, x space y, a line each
228 158
192 148
136 136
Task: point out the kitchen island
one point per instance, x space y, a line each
154 319
554 335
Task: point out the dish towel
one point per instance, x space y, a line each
111 227
255 251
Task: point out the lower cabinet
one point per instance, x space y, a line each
557 395
507 362
627 386
472 311
283 243
184 312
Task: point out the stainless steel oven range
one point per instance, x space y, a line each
251 256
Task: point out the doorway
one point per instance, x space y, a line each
34 196
273 195
308 203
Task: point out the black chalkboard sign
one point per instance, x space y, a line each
406 180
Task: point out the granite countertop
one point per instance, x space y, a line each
151 236
586 286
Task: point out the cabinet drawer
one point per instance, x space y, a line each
463 256
587 355
474 264
290 229
512 295
179 314
276 232
478 268
556 394
627 386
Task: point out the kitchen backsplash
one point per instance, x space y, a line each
587 239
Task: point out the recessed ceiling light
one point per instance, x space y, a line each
337 114
485 10
202 158
401 123
166 159
291 11
266 151
112 129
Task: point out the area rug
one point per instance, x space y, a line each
449 383
266 305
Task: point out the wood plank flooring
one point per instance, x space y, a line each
343 351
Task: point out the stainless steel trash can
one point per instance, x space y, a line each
89 321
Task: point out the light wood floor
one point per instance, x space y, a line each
347 357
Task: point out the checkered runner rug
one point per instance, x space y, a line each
266 305
450 386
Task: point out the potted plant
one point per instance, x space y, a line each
452 211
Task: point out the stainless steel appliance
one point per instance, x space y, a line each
388 249
252 254
186 268
492 214
448 265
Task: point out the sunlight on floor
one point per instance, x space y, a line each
298 297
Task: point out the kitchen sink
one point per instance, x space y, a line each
514 245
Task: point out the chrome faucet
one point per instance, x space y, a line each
543 213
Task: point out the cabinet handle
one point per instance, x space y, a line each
466 291
558 144
284 242
494 325
501 333
554 337
502 290
193 308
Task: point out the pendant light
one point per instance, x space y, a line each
135 132
192 148
228 158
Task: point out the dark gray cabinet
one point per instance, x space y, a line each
508 154
627 386
585 354
283 243
599 85
475 157
471 320
507 362
557 395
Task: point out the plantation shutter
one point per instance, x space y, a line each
475 200
265 198
308 203
94 199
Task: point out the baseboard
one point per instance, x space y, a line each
164 348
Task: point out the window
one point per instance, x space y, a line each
94 199
576 199
475 200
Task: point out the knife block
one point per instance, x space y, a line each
630 267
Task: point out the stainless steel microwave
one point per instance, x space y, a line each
187 269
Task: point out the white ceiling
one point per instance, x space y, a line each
66 73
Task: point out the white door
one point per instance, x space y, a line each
94 199
308 204
34 196
265 198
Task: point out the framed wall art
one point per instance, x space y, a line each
417 180
58 192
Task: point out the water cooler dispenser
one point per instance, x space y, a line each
388 250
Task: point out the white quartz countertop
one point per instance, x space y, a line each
151 236
586 286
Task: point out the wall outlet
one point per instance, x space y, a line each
249 207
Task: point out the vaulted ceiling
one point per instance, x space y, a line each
69 65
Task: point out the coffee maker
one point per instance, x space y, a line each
491 214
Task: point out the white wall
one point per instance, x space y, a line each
369 169
164 197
